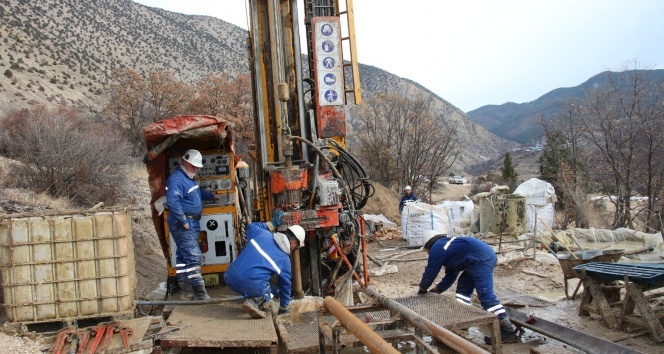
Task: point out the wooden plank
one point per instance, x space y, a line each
116 346
205 321
135 340
635 291
600 302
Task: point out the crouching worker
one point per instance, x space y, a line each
266 254
474 260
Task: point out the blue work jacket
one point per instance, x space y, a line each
183 198
455 254
407 198
260 259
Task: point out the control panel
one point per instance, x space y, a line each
218 235
215 176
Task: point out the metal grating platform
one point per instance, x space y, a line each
299 332
641 273
515 298
447 312
219 326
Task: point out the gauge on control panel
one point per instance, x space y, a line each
224 184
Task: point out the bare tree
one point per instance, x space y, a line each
401 141
563 163
227 98
377 137
622 120
166 96
127 98
432 149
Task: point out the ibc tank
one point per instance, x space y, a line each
67 265
506 212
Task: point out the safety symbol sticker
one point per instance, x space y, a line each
212 225
328 62
331 95
328 46
326 29
330 79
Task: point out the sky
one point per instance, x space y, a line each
474 53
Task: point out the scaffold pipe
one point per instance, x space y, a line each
373 342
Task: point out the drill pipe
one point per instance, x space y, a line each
444 335
297 275
374 342
188 302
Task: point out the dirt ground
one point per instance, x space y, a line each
516 272
541 277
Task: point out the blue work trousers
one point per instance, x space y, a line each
253 288
188 257
479 276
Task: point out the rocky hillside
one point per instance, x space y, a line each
518 122
65 51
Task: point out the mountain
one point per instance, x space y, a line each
519 122
65 51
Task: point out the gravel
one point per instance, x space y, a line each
19 345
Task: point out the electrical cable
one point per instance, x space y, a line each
352 169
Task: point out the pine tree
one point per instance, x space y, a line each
508 173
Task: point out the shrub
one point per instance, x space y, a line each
65 155
9 73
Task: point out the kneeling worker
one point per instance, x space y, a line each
266 254
474 260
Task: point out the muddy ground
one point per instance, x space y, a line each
541 277
516 272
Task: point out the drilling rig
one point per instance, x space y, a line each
298 163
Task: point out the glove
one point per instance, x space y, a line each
277 218
283 310
421 291
435 290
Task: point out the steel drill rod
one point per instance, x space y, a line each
297 275
188 302
374 342
444 335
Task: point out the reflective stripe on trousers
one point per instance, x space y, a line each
188 258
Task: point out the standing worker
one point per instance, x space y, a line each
185 204
265 255
475 261
408 196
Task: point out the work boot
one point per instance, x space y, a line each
186 291
507 332
200 293
253 306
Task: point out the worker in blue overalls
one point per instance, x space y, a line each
408 196
185 204
267 253
475 261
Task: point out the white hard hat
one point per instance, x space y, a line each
428 235
194 157
407 188
299 233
